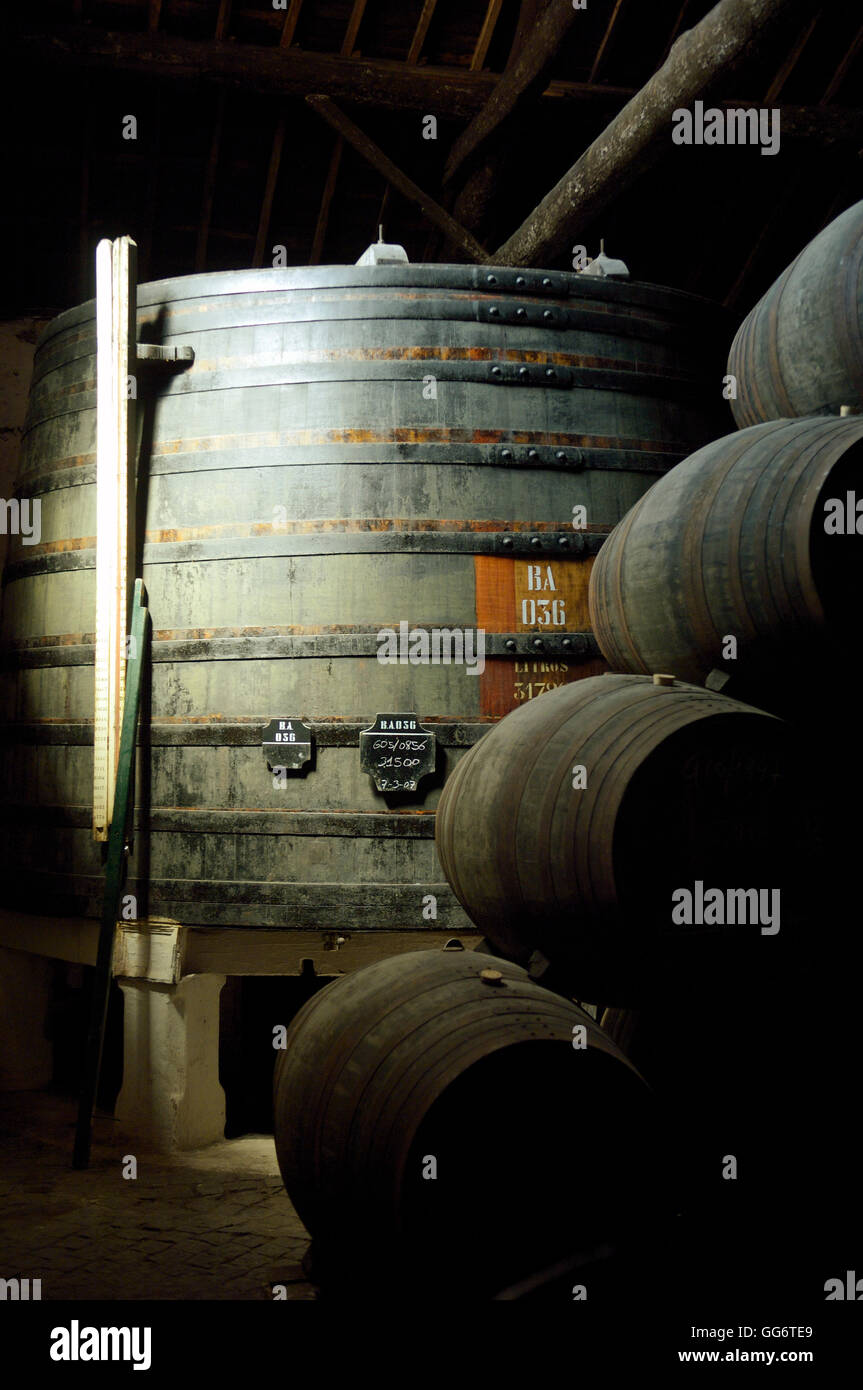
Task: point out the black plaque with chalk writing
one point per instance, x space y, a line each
397 751
287 743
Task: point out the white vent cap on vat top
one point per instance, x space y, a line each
606 266
383 253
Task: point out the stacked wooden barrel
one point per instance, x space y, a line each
727 564
581 834
800 350
571 826
443 1122
743 561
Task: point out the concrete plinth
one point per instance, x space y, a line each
26 1055
171 1097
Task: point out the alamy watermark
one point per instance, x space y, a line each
77 1343
726 907
727 125
844 516
436 646
20 1290
22 518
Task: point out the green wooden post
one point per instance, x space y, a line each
115 874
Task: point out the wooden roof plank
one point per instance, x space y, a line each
269 191
606 40
292 19
529 70
681 15
223 20
320 235
842 71
421 31
785 71
486 33
210 183
350 40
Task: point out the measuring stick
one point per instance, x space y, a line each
115 876
116 333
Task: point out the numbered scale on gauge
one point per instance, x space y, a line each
397 751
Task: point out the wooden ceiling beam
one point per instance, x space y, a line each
84 252
223 20
486 34
375 156
473 204
329 191
269 191
842 71
681 15
525 78
606 40
421 31
350 40
641 133
771 96
154 161
454 93
210 183
317 251
292 19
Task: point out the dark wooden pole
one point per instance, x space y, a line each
454 93
526 77
641 133
400 181
486 170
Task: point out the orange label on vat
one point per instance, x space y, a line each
542 596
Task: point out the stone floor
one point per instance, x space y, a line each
211 1223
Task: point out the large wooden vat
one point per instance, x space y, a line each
571 826
513 1092
353 447
740 543
800 350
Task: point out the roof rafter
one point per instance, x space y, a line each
269 192
421 31
210 182
528 75
292 19
788 66
606 40
486 34
223 20
356 19
842 71
391 172
317 251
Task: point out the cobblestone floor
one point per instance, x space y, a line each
212 1223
